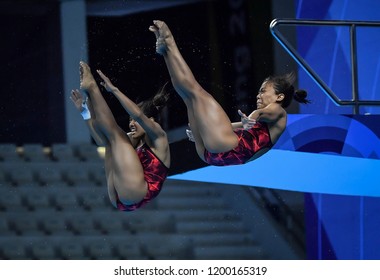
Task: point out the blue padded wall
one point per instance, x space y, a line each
338 226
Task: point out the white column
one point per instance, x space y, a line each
74 49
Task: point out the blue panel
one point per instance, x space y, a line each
340 227
298 171
371 228
354 136
340 221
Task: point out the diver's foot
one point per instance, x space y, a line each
86 79
164 37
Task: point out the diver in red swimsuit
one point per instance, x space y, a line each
155 173
250 143
216 139
136 163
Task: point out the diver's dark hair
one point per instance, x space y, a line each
284 84
152 107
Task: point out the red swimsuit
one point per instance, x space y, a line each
250 142
155 173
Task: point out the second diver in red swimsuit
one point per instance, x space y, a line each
216 139
136 163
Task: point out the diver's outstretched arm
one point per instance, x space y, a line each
152 128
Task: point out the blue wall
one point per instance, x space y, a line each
341 227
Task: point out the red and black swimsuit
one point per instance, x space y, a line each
155 173
250 142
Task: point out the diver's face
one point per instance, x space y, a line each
267 95
136 129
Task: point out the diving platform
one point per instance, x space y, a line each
328 154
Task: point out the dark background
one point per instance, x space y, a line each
227 45
31 73
208 34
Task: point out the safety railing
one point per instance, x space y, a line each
355 101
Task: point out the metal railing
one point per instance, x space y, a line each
355 101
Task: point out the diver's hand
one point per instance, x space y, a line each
247 122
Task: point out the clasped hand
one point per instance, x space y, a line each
247 122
